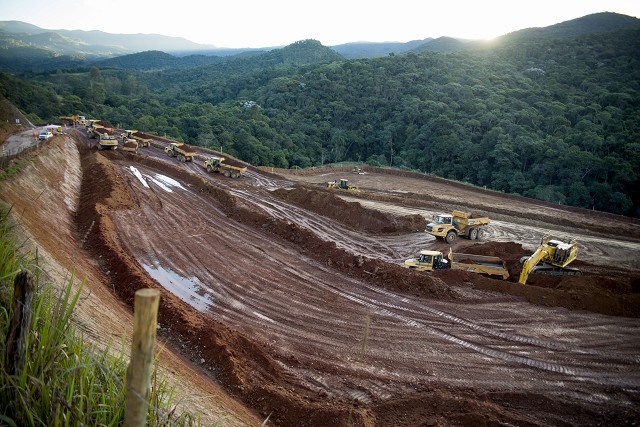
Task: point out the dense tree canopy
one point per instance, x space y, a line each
554 119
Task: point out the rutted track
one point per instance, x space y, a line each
321 345
309 318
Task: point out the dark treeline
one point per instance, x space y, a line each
553 119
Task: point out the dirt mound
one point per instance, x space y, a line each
248 370
602 223
595 290
350 214
509 252
231 359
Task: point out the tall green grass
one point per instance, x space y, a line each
65 381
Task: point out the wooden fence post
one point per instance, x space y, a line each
20 322
139 370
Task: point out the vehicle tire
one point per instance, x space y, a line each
480 234
209 168
181 158
450 237
227 174
169 153
234 175
473 234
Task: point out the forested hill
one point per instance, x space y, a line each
556 118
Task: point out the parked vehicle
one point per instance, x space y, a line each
44 135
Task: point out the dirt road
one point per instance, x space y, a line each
275 293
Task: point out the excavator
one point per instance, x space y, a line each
552 257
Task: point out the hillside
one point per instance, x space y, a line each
125 43
25 46
156 60
596 23
548 118
307 317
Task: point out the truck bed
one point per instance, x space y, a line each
481 264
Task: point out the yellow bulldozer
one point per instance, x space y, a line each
342 184
552 257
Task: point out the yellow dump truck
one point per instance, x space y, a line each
434 260
215 164
182 151
75 119
130 145
143 140
449 226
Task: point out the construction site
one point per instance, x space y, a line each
286 297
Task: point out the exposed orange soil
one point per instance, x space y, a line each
293 298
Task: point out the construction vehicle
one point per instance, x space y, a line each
343 184
98 130
552 258
75 119
130 145
215 164
182 151
449 226
143 140
356 169
434 260
95 128
107 141
54 129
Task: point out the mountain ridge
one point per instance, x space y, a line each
121 44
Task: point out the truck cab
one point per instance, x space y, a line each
427 261
444 219
440 226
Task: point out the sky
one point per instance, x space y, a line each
270 23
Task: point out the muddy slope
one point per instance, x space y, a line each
247 369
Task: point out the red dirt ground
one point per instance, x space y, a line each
293 298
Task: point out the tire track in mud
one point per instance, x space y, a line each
295 311
356 243
410 316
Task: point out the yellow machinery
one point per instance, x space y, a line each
107 142
449 226
130 145
427 261
552 257
480 264
343 184
75 119
215 164
143 141
182 151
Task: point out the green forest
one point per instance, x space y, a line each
555 118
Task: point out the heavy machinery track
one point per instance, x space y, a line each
307 319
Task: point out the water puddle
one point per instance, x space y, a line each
189 290
160 184
138 175
169 182
164 182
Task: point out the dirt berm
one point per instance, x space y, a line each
305 332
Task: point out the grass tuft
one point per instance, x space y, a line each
65 381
